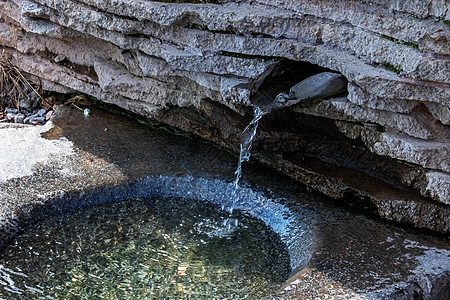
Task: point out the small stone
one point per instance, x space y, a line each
59 58
26 102
41 112
36 103
11 110
10 116
28 119
37 121
19 118
49 115
26 112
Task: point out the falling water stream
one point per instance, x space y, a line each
246 142
245 146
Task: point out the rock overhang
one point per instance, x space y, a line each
161 59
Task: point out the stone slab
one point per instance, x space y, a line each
428 154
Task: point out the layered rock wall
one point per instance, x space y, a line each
200 66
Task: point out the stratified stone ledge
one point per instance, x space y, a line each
163 60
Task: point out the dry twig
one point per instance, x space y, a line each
13 85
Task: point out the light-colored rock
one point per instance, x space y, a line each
11 110
10 116
41 112
342 109
386 16
19 118
419 8
438 186
319 86
25 145
428 154
114 78
59 58
49 115
440 111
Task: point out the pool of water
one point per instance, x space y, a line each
145 248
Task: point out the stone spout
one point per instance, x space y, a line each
319 86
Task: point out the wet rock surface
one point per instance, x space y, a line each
314 151
77 162
168 61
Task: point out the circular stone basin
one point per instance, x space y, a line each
159 244
145 249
